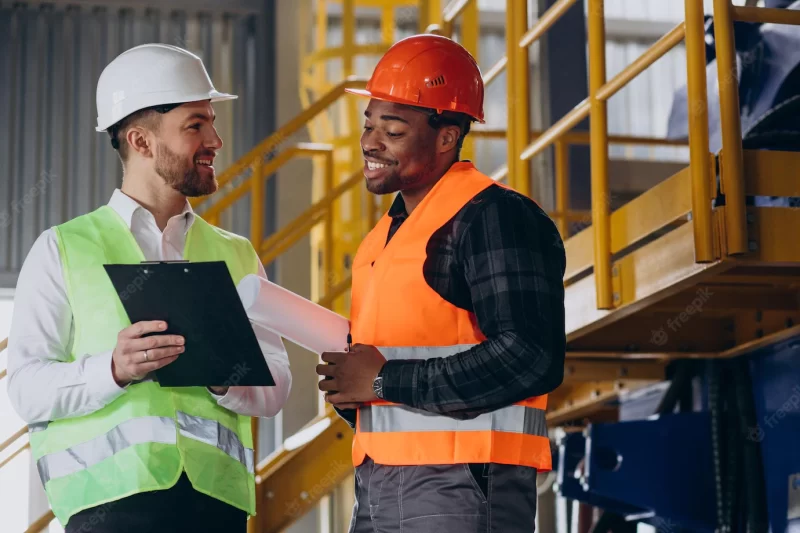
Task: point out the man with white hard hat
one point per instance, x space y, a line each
114 450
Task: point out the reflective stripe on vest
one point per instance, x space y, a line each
148 429
382 417
512 419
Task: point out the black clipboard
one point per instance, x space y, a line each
199 302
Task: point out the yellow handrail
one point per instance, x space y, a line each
284 132
700 161
41 523
599 155
3 346
642 63
290 233
582 137
10 440
732 156
701 170
230 197
557 130
495 70
545 22
766 15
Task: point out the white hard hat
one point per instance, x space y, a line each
151 75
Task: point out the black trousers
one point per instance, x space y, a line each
175 510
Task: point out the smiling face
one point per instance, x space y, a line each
178 147
186 148
400 148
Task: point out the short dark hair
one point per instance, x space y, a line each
149 117
448 118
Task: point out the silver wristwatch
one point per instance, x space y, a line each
377 387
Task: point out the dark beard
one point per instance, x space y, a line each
395 183
186 181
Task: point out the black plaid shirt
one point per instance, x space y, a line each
502 258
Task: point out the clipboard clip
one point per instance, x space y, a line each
164 262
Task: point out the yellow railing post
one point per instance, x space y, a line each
256 237
601 220
562 187
387 24
732 171
699 150
257 203
430 12
517 27
470 32
511 95
254 523
328 260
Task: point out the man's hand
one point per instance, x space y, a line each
134 357
351 375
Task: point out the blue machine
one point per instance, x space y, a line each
662 469
776 392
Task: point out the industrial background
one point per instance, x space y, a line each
680 408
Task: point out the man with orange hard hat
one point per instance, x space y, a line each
457 314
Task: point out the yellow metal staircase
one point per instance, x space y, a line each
669 275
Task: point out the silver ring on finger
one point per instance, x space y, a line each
146 356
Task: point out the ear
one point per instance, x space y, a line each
140 140
448 138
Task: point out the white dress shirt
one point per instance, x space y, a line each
43 385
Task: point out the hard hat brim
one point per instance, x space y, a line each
213 96
388 98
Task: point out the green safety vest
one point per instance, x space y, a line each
145 438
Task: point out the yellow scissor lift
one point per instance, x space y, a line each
636 279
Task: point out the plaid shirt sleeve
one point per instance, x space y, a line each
511 261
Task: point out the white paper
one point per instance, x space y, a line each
293 317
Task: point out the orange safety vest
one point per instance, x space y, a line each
394 309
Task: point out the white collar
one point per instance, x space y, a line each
126 207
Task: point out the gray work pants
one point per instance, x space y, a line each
443 499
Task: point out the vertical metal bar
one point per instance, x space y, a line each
435 13
257 205
562 187
254 522
423 14
387 24
470 33
348 226
522 122
732 167
376 209
599 155
699 150
328 261
430 12
512 146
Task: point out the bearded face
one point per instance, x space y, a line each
191 175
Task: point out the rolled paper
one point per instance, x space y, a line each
293 317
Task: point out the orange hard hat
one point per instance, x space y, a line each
428 71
